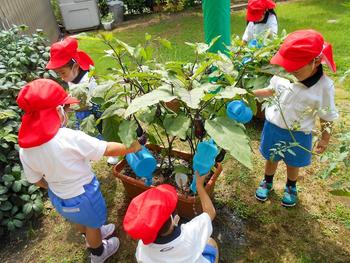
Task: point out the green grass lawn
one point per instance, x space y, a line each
316 230
330 17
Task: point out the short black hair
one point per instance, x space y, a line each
165 227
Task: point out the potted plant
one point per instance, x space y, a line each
108 22
176 105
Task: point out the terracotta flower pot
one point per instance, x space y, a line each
188 206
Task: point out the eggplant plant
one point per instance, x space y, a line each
177 101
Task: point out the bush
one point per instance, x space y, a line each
22 59
57 11
138 6
102 5
179 102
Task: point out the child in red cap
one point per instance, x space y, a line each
261 17
73 65
151 219
291 118
57 158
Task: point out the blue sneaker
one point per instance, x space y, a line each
263 191
290 196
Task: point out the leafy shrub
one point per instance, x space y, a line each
181 101
57 11
179 5
22 59
102 5
138 6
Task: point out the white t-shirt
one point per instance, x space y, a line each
253 30
187 248
85 79
64 161
300 104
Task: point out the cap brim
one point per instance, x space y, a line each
288 65
56 64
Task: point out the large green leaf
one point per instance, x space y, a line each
177 125
3 197
27 208
17 223
3 189
38 205
230 92
163 93
230 136
192 98
113 110
6 206
101 90
16 186
8 178
88 125
127 132
110 127
147 116
32 188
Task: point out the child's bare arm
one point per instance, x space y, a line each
206 202
42 183
325 136
114 148
267 92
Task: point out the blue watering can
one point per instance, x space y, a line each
143 164
254 43
203 160
239 111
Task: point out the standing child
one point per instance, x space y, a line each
293 118
57 158
261 17
73 65
151 218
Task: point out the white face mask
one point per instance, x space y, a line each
64 116
175 219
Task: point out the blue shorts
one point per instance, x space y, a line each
88 209
210 253
273 134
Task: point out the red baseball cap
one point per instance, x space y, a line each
64 51
39 100
300 48
148 212
257 8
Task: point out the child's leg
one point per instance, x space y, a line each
81 229
93 237
213 243
290 192
270 167
265 186
292 173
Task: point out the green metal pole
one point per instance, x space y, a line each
217 22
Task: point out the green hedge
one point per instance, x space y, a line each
22 59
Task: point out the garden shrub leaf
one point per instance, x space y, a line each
230 136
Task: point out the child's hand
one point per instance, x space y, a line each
321 146
135 146
200 180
